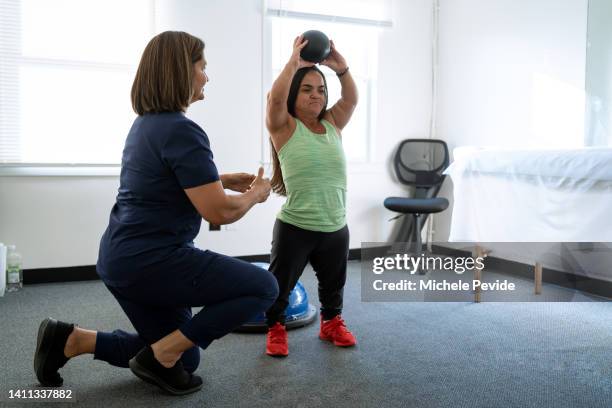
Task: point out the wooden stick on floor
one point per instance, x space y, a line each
538 278
478 273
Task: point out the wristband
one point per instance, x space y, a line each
339 74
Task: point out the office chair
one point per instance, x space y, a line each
419 163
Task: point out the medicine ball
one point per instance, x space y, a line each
318 47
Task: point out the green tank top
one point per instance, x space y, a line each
314 172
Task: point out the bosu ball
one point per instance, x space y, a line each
298 313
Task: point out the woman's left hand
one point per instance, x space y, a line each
335 61
239 182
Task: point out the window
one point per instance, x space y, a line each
598 75
66 70
355 34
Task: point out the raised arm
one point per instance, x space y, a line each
278 120
341 112
219 208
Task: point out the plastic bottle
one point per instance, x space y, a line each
14 278
2 269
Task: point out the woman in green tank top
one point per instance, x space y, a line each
310 170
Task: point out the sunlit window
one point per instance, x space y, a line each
355 37
67 69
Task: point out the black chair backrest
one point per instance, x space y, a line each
421 162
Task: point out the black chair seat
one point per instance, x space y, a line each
416 205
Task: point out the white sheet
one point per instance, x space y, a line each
531 195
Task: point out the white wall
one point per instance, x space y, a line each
57 221
511 74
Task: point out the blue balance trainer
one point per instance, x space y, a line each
298 313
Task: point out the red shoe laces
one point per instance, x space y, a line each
277 334
337 325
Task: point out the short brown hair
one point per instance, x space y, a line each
164 78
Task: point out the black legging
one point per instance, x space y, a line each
292 249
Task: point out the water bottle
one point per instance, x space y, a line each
2 269
14 278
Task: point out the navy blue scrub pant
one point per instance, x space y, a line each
231 292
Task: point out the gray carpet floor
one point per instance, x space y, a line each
410 354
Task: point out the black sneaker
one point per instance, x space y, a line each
175 380
49 355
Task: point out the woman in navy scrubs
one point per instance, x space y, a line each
147 257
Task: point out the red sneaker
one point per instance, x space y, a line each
276 341
335 330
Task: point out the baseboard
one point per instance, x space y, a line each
354 254
63 274
564 279
88 272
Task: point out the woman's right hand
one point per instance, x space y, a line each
296 60
261 186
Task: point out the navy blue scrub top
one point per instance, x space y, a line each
153 224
